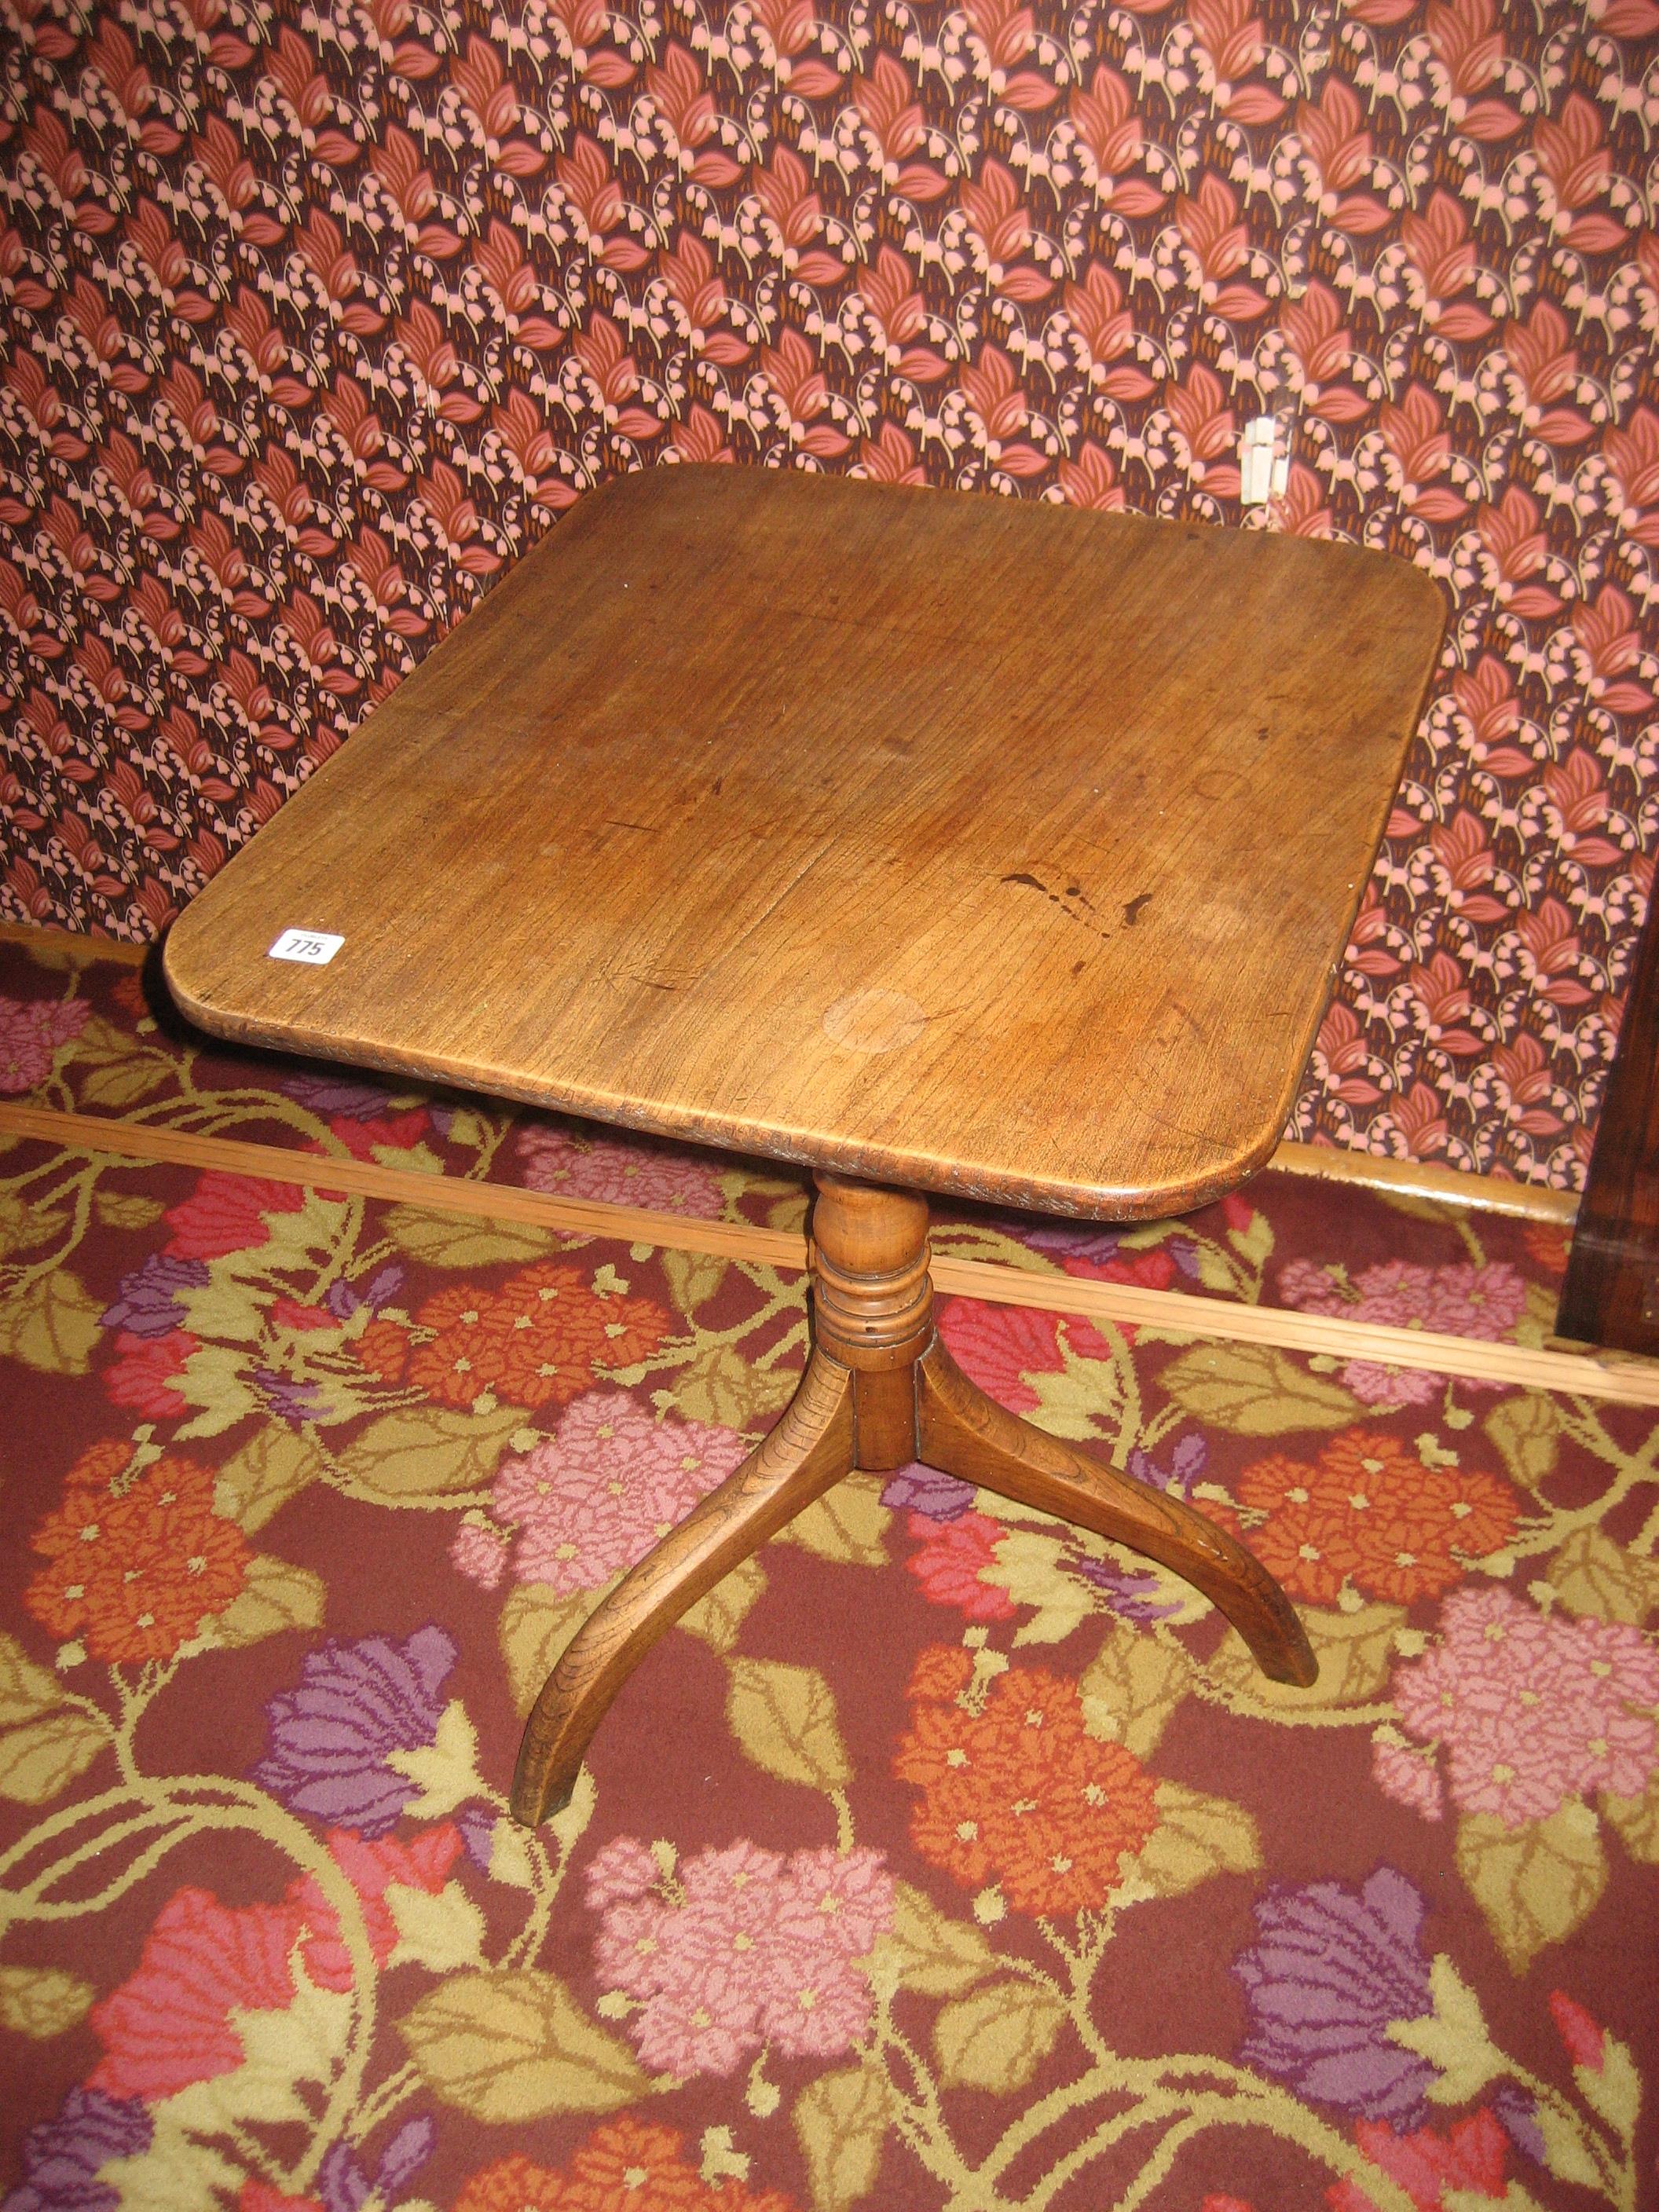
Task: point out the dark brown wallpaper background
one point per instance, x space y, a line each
316 316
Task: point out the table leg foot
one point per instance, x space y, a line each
806 1454
963 1432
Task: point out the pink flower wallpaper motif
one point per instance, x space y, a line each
315 318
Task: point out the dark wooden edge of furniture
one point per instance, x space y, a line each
1611 1295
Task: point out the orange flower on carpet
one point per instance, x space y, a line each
383 1350
551 1327
1021 1795
1371 1513
536 1341
625 2166
137 1558
463 1359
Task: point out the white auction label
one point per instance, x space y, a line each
314 947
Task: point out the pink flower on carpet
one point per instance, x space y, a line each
1531 1709
480 1553
624 1868
609 1483
617 1171
1402 1771
1461 1300
953 1557
141 1374
1583 2035
227 1213
744 1947
170 2023
1470 2159
31 1032
998 1346
371 1868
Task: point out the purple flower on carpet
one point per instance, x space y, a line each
1071 1244
147 1303
343 2184
1185 1256
332 1739
1519 2111
292 1402
342 1300
30 1034
1137 1597
478 1829
61 2157
1187 1463
331 1094
1331 1969
918 1489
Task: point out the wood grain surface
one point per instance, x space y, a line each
962 843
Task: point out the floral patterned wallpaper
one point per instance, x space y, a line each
316 316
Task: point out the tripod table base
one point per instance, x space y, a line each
879 1391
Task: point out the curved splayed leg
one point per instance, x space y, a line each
964 1433
806 1454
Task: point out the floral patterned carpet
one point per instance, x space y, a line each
943 1857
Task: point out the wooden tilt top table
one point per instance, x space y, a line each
938 842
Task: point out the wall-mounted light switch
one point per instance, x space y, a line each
1259 475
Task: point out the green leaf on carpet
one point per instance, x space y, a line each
1535 1883
997 2037
1637 1819
429 1452
718 1616
42 1757
52 1324
721 1386
1254 1390
26 1687
927 1950
847 1526
273 1466
273 1597
460 1240
841 2120
126 1209
41 2001
513 2045
1131 1686
784 1718
1355 1651
1591 1574
1196 1836
1526 1431
536 1622
692 1277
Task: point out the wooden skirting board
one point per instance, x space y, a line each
1615 1376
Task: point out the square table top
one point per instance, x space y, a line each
964 843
